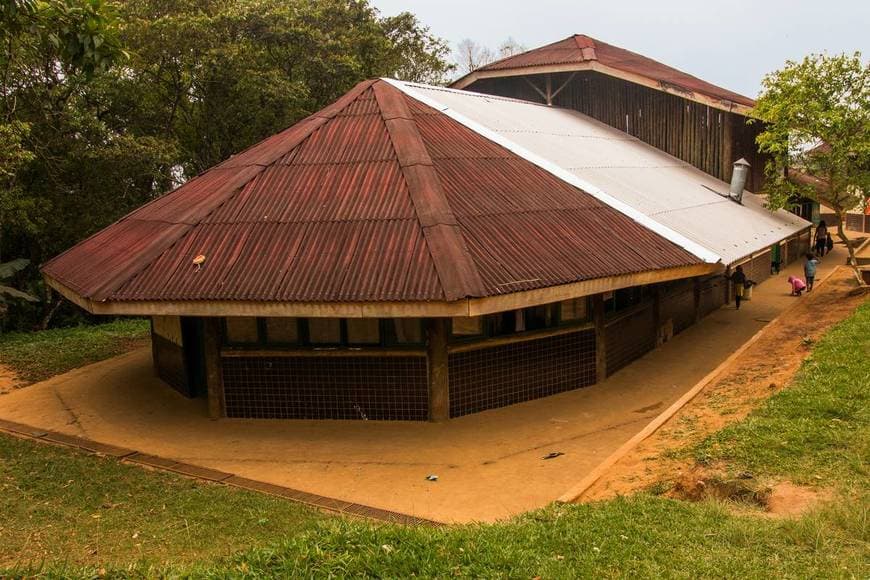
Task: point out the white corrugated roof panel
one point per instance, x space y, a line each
659 190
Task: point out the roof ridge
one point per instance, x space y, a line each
454 264
316 120
589 51
647 222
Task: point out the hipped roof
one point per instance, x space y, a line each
581 52
376 198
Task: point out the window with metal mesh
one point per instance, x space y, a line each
493 377
629 338
358 387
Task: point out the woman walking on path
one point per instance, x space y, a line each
738 278
810 270
821 238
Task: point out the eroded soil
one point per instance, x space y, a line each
763 369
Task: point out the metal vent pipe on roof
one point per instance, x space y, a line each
738 179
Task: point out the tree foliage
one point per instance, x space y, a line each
816 116
470 56
106 105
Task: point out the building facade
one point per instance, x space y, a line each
395 257
684 116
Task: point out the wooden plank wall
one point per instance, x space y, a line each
695 133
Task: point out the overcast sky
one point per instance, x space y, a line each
731 44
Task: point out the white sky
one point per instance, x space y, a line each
731 44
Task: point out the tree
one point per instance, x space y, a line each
510 47
7 272
816 116
470 56
104 107
419 56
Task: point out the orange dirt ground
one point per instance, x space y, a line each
735 391
490 465
8 380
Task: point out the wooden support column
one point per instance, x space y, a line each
727 158
697 295
549 90
727 285
657 314
600 338
154 364
213 372
439 379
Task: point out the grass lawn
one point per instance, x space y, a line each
36 356
71 514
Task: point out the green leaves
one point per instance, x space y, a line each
9 269
817 132
817 122
110 103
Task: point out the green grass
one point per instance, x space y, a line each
817 427
69 514
817 431
36 356
58 505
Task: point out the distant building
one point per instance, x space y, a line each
413 252
691 119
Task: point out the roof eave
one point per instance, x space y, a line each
724 105
397 309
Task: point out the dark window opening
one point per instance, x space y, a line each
531 319
624 298
323 332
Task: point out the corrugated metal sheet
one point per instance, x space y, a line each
581 49
384 200
666 190
524 227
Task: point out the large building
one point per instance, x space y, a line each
414 252
702 124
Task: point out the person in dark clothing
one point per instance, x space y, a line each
738 278
821 238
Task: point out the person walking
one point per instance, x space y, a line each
738 278
821 238
810 270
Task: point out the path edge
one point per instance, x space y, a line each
576 492
208 475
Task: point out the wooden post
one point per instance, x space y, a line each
727 159
697 294
600 338
657 314
154 362
213 371
439 379
549 90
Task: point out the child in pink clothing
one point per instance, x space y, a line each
797 285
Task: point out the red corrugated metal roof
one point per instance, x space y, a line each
376 198
580 48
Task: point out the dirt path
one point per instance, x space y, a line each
765 368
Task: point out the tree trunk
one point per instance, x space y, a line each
49 313
841 232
